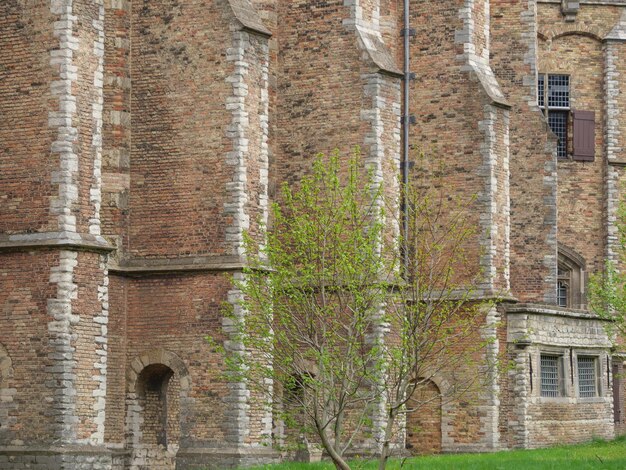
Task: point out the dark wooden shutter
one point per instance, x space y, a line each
584 135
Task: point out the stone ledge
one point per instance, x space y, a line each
378 53
80 241
54 450
538 309
228 451
249 18
164 265
590 2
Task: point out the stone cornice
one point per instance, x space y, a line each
538 309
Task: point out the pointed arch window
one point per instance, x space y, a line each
571 279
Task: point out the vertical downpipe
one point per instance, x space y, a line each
405 134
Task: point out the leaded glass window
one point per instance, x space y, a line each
557 120
587 380
551 375
558 95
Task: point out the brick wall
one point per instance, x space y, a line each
468 145
116 144
25 338
179 59
532 163
185 310
24 100
55 297
580 184
167 126
423 427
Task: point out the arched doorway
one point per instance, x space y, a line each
153 410
423 424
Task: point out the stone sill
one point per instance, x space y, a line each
568 400
582 401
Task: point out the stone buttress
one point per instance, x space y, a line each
53 258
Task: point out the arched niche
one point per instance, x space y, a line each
158 382
6 392
424 419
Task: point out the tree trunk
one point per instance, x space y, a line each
338 461
385 450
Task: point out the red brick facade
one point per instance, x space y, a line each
140 140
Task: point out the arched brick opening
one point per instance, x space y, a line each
423 424
6 394
557 31
158 383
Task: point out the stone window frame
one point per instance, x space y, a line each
601 386
565 380
571 270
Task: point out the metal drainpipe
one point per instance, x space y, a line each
405 132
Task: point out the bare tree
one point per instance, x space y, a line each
341 329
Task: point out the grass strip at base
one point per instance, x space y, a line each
596 455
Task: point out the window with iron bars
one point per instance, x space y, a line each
557 96
551 367
588 377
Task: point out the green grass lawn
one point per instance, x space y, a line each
596 455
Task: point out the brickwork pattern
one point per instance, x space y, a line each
23 316
580 184
424 425
533 175
167 126
24 96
